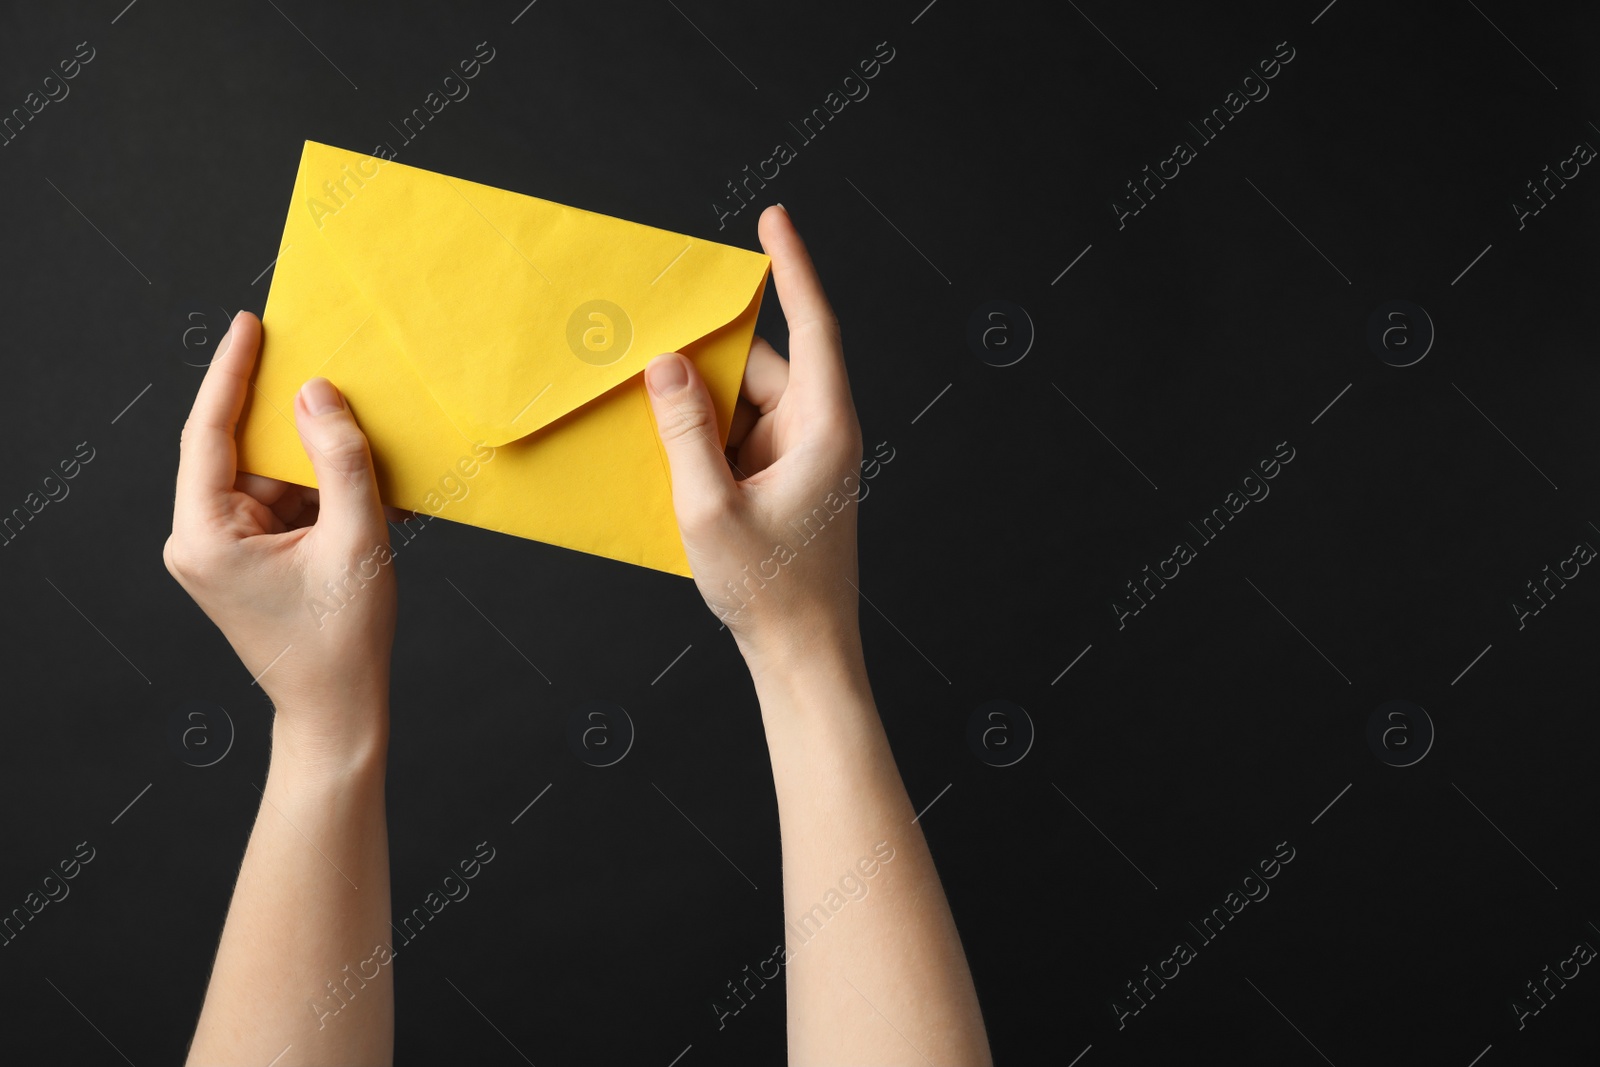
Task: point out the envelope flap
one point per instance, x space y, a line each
515 310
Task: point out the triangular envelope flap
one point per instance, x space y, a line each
537 298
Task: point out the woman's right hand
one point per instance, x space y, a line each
769 526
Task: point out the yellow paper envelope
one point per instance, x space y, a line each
491 345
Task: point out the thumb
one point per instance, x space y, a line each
347 489
687 423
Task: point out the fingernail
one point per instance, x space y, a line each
782 208
227 335
666 374
320 397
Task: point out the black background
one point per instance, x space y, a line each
1222 720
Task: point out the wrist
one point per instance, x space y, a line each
349 739
816 679
817 711
803 653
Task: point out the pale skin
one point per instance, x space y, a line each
885 981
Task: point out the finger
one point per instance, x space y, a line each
285 499
267 490
687 423
347 489
398 514
815 353
766 376
207 460
745 416
269 503
756 451
307 517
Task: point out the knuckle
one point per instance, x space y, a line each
703 512
841 432
824 322
181 560
691 422
347 453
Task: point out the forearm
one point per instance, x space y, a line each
298 968
876 972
